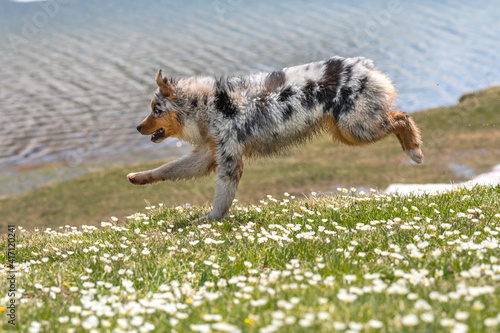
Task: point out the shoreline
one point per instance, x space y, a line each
17 180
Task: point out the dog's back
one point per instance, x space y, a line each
348 97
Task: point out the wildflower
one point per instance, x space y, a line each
427 317
323 315
375 323
305 322
348 298
490 322
146 327
225 327
75 309
461 315
460 328
409 320
136 321
422 305
34 327
350 277
478 305
447 322
355 326
339 326
88 285
56 290
127 283
122 323
90 323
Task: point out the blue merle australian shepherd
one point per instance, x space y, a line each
262 114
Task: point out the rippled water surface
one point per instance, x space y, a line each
76 77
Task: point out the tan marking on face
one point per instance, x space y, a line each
168 121
153 105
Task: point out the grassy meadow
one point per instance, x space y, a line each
341 263
459 141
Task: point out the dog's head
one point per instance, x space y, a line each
164 120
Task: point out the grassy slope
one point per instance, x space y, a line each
466 134
402 264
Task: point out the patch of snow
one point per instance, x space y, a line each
488 178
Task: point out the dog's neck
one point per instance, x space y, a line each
195 90
195 95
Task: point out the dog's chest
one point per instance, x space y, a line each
191 133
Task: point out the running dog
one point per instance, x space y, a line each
262 114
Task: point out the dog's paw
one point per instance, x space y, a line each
211 216
201 220
416 155
207 218
139 178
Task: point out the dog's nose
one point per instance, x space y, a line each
139 128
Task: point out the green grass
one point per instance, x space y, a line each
374 262
465 135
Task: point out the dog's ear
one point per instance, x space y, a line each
165 88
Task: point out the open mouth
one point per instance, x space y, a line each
158 135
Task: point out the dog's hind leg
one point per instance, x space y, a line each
354 132
408 134
198 163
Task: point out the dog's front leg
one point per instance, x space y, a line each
229 172
198 163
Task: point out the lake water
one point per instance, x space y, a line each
76 77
